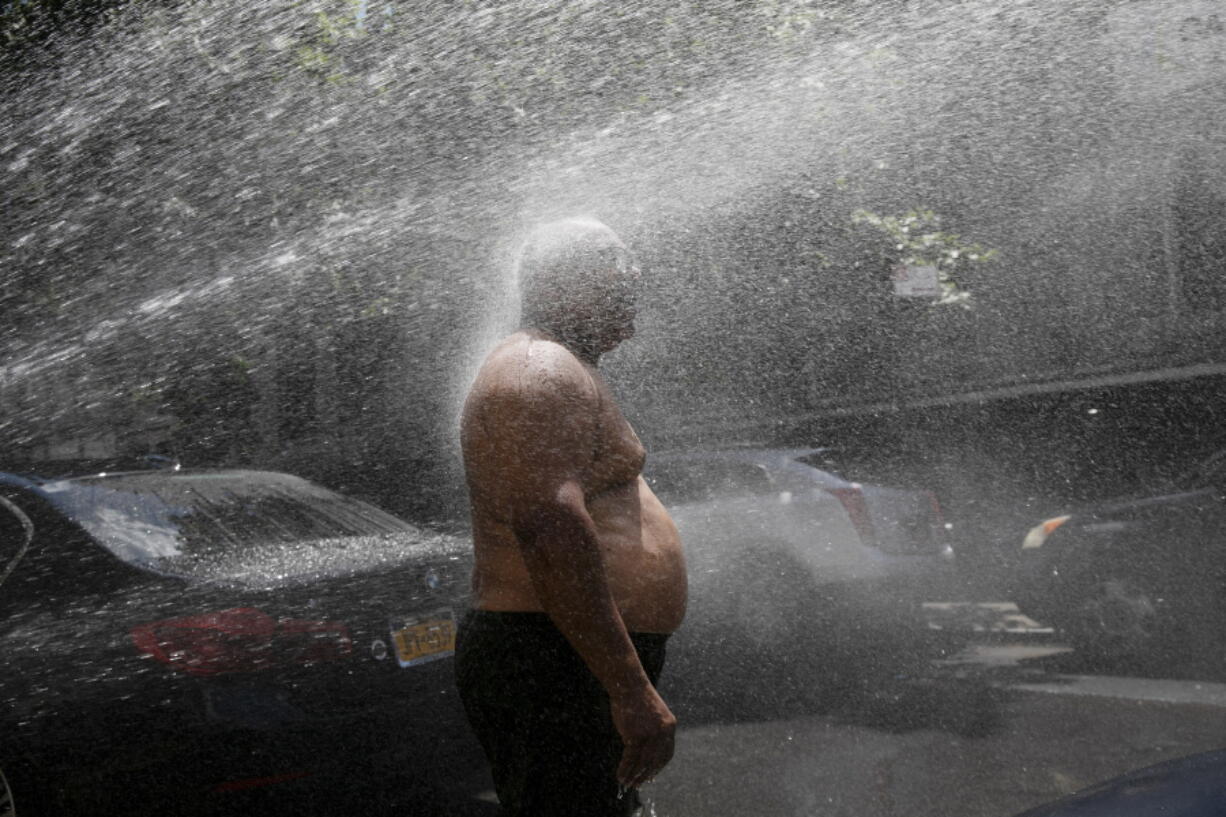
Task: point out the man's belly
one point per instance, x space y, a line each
649 587
643 560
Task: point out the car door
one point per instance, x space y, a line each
16 533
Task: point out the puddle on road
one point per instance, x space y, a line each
1003 655
981 617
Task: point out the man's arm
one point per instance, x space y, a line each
559 544
544 439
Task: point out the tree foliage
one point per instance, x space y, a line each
916 239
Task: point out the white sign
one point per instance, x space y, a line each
1162 46
916 282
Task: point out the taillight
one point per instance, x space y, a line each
240 640
852 498
938 516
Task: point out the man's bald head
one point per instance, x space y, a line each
576 280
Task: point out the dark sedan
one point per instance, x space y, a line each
1134 576
196 641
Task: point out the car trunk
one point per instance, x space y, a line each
287 633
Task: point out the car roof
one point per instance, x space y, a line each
744 454
39 471
35 477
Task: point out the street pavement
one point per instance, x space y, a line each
1041 746
1013 720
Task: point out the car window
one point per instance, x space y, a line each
146 517
883 468
830 461
682 481
850 465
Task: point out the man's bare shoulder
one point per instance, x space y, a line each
528 368
529 417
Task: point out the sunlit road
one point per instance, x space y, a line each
1014 720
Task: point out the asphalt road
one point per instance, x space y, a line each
1013 720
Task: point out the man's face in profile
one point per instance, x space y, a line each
579 281
615 300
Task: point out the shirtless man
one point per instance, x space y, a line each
579 574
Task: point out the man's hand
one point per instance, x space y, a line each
647 729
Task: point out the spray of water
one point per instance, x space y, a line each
187 183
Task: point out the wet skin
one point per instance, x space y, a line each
564 523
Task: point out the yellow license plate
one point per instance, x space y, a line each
424 638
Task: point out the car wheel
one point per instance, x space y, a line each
767 603
772 614
746 637
1119 617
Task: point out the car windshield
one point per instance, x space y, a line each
201 516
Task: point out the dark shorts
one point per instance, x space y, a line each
542 717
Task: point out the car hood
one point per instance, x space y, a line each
1130 505
1193 786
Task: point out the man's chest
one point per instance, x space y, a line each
617 453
